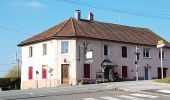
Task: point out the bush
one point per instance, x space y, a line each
10 83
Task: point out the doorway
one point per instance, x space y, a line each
164 72
146 73
106 73
65 73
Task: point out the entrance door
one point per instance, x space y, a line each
64 73
159 73
146 73
106 73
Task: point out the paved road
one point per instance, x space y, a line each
105 91
98 95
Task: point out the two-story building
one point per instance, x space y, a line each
57 55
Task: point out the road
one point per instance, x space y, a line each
104 91
98 95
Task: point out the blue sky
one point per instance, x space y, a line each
34 16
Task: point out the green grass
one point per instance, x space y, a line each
165 80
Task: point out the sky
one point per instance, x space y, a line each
21 19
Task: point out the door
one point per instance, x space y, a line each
64 73
146 73
164 72
106 73
86 70
124 71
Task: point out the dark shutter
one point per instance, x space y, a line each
106 50
124 51
86 70
124 71
30 73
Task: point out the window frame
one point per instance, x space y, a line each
124 54
66 51
106 53
145 53
44 49
30 51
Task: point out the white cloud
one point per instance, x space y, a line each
27 4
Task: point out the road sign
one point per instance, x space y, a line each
89 54
160 45
160 42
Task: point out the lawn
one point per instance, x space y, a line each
165 80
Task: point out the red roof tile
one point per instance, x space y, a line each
97 30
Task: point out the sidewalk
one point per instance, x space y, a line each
133 86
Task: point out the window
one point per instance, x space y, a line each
64 47
86 70
124 52
30 51
44 49
124 71
106 50
44 72
146 53
30 73
163 54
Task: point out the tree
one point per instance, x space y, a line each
13 72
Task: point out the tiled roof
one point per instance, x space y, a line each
97 30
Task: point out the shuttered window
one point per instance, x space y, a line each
124 52
86 70
44 72
30 73
105 50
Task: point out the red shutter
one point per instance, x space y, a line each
86 70
44 72
30 73
124 71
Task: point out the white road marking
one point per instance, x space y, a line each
110 98
144 95
89 99
129 97
164 91
31 93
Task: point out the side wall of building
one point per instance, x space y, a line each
115 55
54 59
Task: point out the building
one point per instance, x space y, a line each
57 55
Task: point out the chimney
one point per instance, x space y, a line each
90 16
78 14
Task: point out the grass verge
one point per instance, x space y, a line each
165 80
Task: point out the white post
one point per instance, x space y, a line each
136 65
161 63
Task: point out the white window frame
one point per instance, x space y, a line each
144 51
30 51
67 47
44 49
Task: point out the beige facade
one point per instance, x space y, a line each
75 59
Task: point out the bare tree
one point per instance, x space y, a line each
13 72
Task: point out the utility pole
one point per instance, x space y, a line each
161 63
17 64
136 62
160 45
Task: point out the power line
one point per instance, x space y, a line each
10 29
146 14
